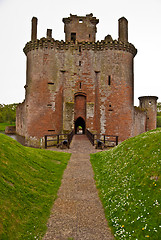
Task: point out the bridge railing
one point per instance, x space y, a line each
107 140
56 140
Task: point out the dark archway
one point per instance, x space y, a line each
80 123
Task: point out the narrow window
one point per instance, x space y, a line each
89 36
51 130
110 105
79 48
50 83
80 63
73 37
80 85
109 80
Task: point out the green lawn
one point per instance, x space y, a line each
129 181
4 125
29 181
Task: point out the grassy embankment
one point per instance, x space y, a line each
4 125
129 181
29 181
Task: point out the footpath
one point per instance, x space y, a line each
77 213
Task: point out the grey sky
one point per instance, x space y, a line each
144 22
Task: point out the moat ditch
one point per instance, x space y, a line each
16 137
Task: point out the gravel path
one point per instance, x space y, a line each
77 212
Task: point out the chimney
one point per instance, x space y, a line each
34 29
123 30
49 33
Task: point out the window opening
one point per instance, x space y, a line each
79 48
110 105
80 21
80 63
89 35
50 83
80 85
109 80
73 37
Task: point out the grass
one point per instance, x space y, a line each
4 125
129 183
29 181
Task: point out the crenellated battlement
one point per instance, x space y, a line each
50 43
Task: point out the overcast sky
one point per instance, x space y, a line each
144 24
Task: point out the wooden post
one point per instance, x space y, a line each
46 141
116 140
57 139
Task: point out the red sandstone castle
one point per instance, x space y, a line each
81 82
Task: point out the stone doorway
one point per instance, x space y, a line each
80 113
80 126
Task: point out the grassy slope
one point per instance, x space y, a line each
29 181
129 181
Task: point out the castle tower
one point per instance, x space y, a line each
149 103
78 82
80 29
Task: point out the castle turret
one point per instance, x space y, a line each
80 29
123 29
149 103
34 29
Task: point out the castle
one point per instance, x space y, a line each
81 82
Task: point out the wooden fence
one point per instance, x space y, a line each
107 140
55 140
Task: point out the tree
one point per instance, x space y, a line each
8 113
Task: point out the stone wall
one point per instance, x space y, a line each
55 75
140 118
21 119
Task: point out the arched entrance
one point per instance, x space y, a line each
80 126
80 112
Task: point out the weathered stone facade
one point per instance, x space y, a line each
81 82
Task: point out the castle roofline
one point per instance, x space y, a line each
143 97
50 43
88 16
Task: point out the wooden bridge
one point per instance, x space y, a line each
98 140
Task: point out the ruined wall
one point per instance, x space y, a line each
149 103
140 120
21 119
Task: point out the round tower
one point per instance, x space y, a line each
149 103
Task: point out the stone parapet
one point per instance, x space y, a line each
50 43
